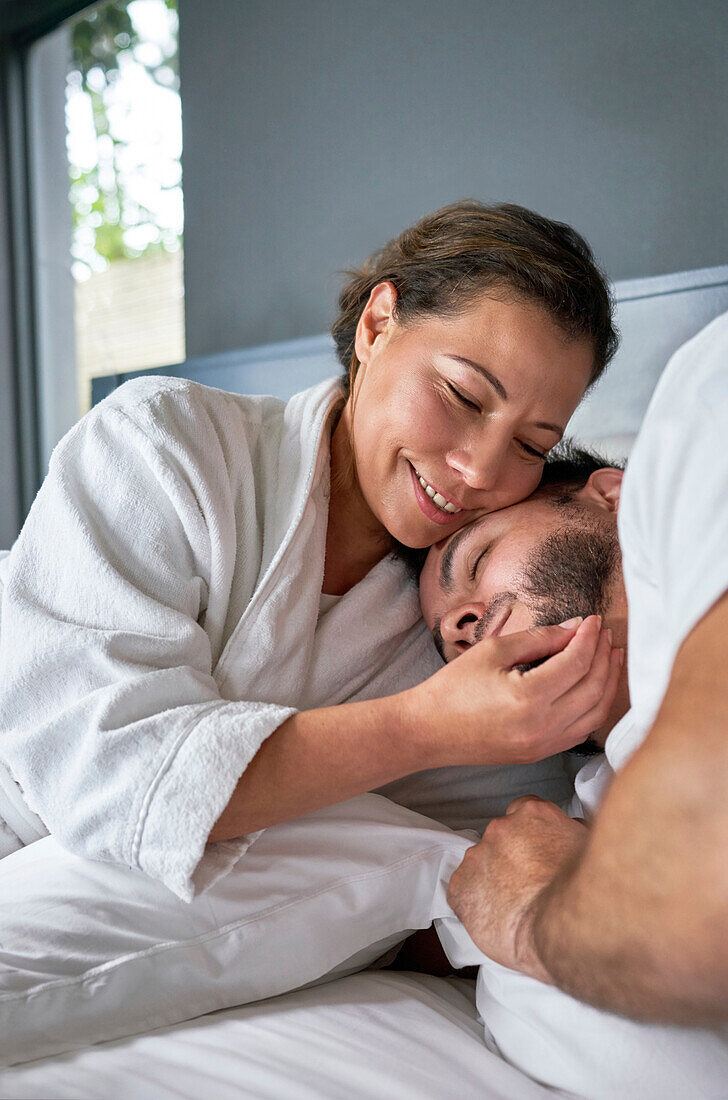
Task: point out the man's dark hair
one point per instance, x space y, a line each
568 467
566 470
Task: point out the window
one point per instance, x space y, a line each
105 142
124 144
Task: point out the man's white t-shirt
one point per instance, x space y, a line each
673 529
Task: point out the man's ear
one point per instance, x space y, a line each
376 316
604 487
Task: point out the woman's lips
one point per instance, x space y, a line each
431 510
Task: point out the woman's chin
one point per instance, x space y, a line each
417 537
416 531
414 535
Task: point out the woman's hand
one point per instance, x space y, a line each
481 709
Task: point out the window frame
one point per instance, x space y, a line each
26 433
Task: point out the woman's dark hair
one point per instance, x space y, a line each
446 260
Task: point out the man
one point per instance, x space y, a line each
554 557
629 912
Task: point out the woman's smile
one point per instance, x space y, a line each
429 508
447 502
436 506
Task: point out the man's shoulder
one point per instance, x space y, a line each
673 514
685 422
696 373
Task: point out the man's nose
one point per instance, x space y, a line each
460 626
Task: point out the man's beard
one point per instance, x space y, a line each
571 572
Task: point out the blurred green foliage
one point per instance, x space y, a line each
101 206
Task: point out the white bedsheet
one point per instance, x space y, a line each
369 1036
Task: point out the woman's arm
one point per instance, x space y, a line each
478 710
112 721
319 757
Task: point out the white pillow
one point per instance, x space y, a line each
92 951
615 448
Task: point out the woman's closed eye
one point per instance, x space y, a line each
469 403
542 455
464 400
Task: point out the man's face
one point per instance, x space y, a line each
532 564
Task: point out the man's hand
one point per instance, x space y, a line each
496 889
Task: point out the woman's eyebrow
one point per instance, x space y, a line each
549 427
495 382
501 390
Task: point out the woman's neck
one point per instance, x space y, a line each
355 539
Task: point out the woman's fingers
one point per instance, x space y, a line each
569 666
524 646
498 714
590 721
586 694
584 708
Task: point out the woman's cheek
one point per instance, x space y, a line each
535 477
522 480
430 408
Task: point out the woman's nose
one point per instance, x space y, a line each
461 625
480 464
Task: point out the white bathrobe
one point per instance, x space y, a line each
160 619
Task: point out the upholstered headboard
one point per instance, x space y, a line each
655 316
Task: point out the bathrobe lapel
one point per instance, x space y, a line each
370 631
279 652
267 655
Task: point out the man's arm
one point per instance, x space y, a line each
631 915
639 924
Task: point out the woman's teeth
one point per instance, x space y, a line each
437 498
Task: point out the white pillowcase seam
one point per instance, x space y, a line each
61 983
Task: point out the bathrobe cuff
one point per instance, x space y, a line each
190 790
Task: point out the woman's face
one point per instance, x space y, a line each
468 404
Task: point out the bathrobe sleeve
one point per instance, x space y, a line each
110 719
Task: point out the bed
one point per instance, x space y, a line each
370 1035
374 1032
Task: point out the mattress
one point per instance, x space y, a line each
367 1036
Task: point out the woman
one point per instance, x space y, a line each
203 629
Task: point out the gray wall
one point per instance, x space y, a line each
316 129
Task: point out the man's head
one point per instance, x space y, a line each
551 557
